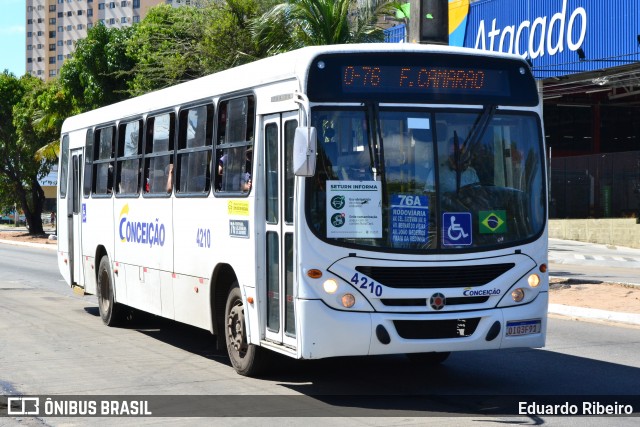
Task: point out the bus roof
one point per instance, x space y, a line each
286 66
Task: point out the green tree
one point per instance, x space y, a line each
166 47
53 105
228 41
174 45
300 23
19 140
99 71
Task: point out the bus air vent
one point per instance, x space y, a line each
436 329
435 277
422 302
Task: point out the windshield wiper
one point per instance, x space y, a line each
376 158
463 154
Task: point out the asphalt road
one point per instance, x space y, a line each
53 343
588 261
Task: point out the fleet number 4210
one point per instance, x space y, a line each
363 282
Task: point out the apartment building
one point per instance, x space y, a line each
54 26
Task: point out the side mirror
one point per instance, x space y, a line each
304 151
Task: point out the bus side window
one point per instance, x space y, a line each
194 150
103 164
88 163
234 149
129 156
64 165
159 154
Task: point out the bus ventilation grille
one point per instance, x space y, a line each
422 302
435 277
436 329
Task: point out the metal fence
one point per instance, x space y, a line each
605 185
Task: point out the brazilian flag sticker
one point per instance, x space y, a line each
492 222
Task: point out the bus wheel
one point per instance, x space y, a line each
432 358
247 359
110 311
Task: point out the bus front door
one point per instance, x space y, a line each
74 218
279 130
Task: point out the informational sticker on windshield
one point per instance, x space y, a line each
456 229
354 209
418 123
409 218
492 222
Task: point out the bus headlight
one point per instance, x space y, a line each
534 280
330 286
348 300
517 294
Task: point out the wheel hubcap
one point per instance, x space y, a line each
235 327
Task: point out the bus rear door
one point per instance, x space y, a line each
279 130
74 219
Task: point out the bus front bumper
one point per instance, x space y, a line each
331 333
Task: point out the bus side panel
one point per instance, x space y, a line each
90 273
192 301
97 230
142 232
143 243
197 235
142 286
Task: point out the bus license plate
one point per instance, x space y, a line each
523 327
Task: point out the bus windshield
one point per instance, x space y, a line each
415 180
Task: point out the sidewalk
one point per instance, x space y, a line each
21 230
576 263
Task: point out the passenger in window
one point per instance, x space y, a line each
245 183
169 175
245 177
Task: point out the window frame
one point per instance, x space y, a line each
121 158
87 184
182 151
150 155
223 145
97 161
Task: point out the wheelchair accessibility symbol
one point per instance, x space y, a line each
456 229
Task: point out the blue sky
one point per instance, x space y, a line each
12 34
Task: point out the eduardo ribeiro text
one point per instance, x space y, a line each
587 408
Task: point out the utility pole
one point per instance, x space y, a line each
429 22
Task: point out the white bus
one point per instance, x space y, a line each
331 201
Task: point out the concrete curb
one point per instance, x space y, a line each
574 281
52 246
595 314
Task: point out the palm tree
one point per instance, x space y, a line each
300 23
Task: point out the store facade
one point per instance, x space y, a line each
586 54
586 57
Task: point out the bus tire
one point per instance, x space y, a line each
247 359
428 359
110 310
